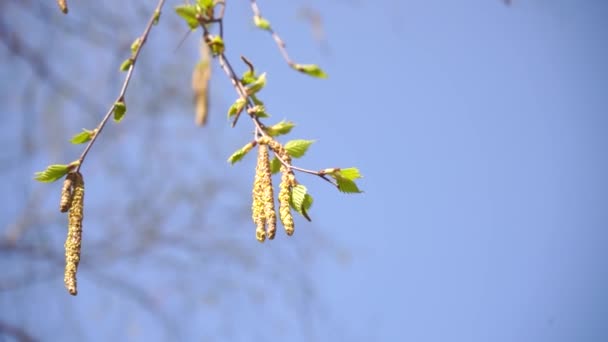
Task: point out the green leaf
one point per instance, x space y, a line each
156 17
82 137
248 77
120 108
237 107
297 148
261 22
280 128
275 165
347 186
259 111
256 101
126 64
135 45
217 45
306 204
350 173
256 86
52 173
239 154
310 69
299 202
205 3
188 13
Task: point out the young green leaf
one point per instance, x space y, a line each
256 86
120 108
347 186
275 165
156 17
126 64
82 137
205 3
216 44
135 45
350 173
299 202
259 111
248 77
261 22
306 204
237 107
297 148
280 128
239 154
310 69
188 13
52 173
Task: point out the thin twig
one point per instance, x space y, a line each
275 35
125 84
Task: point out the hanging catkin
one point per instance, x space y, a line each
74 239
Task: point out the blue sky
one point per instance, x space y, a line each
480 130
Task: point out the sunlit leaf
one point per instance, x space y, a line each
188 13
52 173
280 128
299 201
275 165
237 107
126 64
310 69
261 22
120 108
297 148
240 153
256 86
82 137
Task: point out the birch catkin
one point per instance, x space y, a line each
74 239
66 193
257 207
287 183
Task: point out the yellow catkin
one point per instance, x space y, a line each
63 6
74 239
267 193
257 207
66 193
287 182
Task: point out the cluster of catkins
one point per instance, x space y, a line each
72 199
263 210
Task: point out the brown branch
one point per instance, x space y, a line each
125 84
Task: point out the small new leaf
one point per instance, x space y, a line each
258 111
237 107
156 17
310 69
205 3
347 186
350 173
239 154
256 86
126 64
216 44
82 137
299 202
280 128
52 173
275 165
135 45
297 148
120 108
188 13
261 22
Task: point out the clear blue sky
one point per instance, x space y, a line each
481 132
